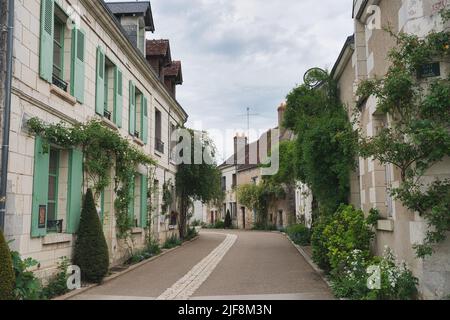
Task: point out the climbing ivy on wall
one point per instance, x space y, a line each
418 135
103 149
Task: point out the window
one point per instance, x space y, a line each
173 141
159 144
58 54
57 189
234 180
224 183
108 89
138 117
52 205
62 51
173 218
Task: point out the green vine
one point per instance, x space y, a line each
167 197
103 150
418 134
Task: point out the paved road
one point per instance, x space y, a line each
225 265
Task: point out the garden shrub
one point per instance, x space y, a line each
219 225
348 230
228 221
300 234
7 278
57 285
319 243
172 242
396 282
191 234
91 250
27 286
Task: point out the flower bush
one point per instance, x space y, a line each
300 234
378 278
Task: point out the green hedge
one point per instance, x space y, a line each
7 279
300 234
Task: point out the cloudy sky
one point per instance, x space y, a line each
247 53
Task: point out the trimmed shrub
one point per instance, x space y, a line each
319 243
91 250
300 234
7 279
228 221
348 230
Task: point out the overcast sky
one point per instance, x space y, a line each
247 53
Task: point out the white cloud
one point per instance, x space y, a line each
248 53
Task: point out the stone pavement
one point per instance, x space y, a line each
221 265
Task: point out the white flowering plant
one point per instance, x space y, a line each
378 278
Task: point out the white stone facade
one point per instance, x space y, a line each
34 97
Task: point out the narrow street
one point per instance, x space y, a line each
221 265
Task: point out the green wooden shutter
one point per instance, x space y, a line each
40 189
75 190
78 65
100 83
144 209
131 204
132 116
144 120
118 97
46 40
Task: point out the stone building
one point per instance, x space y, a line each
75 61
364 56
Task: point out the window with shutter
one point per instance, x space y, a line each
46 40
118 97
144 195
74 190
78 64
100 83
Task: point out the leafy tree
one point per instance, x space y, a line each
418 132
197 181
7 279
91 250
324 152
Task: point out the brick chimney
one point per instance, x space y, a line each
281 112
240 148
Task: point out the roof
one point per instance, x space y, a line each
127 8
348 43
158 47
174 70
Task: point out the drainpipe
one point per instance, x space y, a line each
6 115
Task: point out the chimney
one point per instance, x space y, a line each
240 148
281 112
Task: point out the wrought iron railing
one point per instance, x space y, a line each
55 226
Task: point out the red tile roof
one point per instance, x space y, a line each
174 70
158 47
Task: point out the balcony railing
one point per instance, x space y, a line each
55 226
159 145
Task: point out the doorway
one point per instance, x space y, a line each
243 218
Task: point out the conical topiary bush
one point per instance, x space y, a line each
91 250
7 278
228 222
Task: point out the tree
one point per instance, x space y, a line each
325 148
91 250
197 181
418 132
7 278
228 222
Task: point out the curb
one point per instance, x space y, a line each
122 273
309 260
